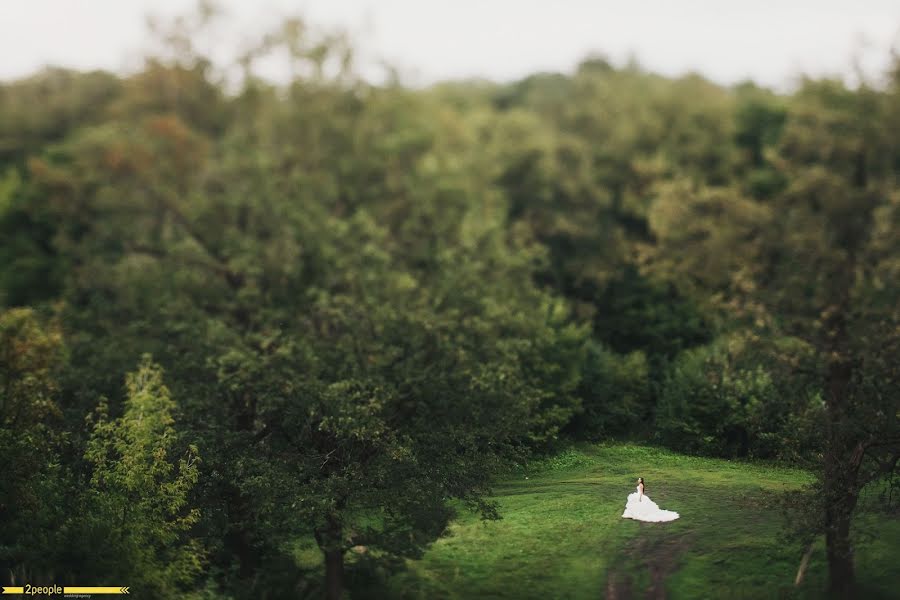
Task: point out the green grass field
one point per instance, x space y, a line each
561 535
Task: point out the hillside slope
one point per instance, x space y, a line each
561 535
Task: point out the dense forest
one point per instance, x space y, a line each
234 316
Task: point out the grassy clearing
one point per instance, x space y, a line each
561 535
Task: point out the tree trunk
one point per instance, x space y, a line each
841 576
331 544
239 539
334 573
841 495
804 563
842 457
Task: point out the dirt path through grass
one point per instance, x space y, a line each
655 554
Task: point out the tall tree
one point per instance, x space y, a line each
33 485
815 262
138 498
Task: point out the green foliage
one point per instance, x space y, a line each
30 268
33 487
760 117
715 402
635 313
616 392
138 499
68 100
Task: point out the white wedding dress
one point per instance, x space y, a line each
645 509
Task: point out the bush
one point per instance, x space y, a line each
711 404
615 391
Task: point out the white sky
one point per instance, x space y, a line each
771 41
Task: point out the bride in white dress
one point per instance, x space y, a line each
641 508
